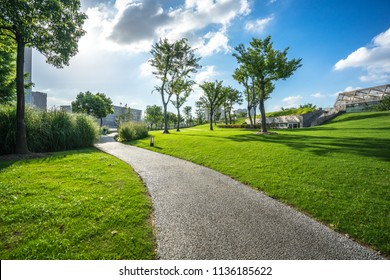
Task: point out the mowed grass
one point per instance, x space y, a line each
338 173
74 205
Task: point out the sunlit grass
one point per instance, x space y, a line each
338 173
73 205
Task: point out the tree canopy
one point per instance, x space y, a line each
53 27
212 98
265 65
174 63
97 105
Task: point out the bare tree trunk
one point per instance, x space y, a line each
262 109
211 118
178 120
21 136
250 115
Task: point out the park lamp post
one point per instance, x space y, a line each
151 141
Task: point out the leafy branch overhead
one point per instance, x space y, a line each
53 27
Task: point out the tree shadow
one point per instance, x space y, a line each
323 145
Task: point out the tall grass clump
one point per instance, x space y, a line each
48 131
132 131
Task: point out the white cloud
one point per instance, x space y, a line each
292 101
134 25
258 26
375 59
318 95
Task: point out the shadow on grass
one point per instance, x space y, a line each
322 145
9 160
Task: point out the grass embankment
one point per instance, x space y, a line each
339 173
73 205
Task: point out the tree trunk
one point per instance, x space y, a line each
178 120
21 136
226 119
262 109
254 116
211 118
166 131
250 115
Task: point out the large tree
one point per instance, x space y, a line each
172 62
53 27
181 90
231 97
97 105
188 114
153 115
212 98
266 66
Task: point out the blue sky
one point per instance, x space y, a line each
344 45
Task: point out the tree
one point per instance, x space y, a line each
173 62
125 115
188 115
181 89
200 112
231 97
153 115
7 70
212 98
53 27
265 65
97 105
384 104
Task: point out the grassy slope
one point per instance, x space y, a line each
73 205
339 173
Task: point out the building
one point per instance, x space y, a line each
361 99
38 100
112 119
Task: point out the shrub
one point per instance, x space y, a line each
47 131
132 131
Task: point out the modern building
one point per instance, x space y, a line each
128 114
38 100
361 99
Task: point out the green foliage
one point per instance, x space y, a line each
292 111
153 115
384 104
97 105
263 65
47 131
7 70
213 97
173 63
132 131
53 27
79 205
338 173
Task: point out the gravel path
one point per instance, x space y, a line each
202 214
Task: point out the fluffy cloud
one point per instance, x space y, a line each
258 26
375 59
292 101
135 24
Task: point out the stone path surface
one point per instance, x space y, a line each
202 214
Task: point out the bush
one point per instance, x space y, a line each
47 131
132 131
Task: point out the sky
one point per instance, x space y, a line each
344 45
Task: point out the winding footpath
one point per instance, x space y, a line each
202 214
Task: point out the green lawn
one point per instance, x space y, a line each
74 205
338 173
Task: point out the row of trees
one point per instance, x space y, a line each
154 117
259 66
